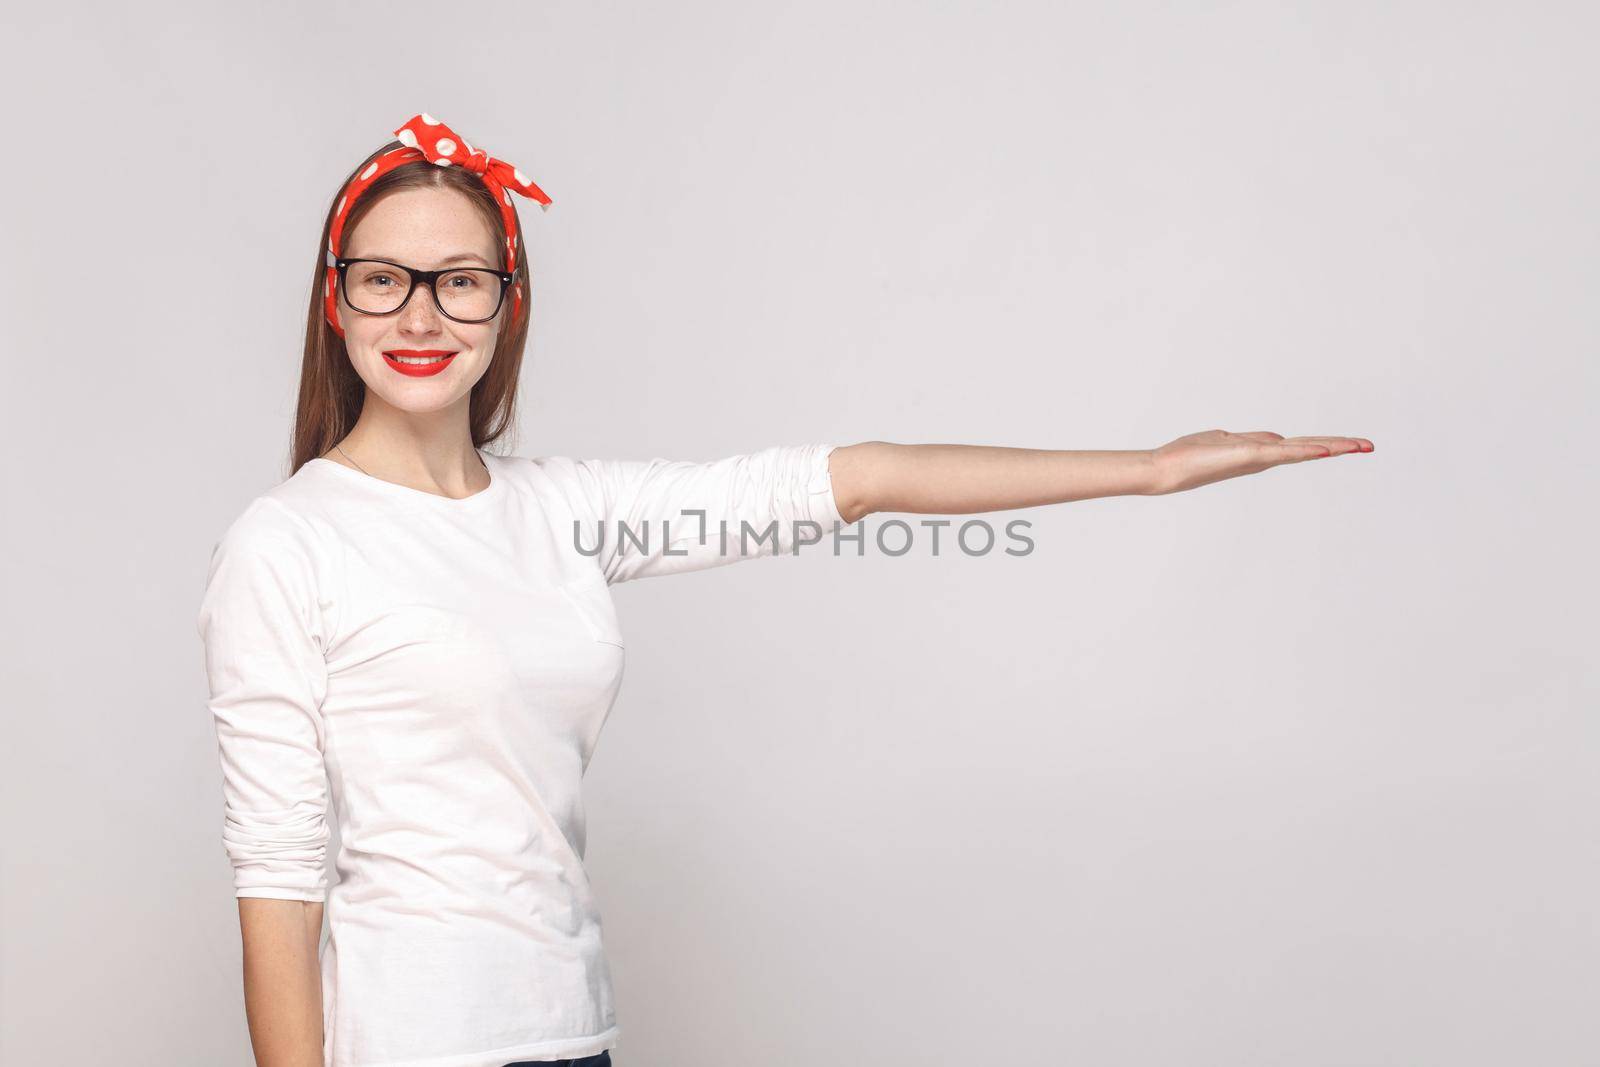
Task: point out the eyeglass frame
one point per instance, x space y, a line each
430 277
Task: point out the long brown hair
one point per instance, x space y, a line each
331 392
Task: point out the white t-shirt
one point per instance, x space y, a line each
443 668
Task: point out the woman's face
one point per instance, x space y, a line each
426 229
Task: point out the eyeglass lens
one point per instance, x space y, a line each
378 288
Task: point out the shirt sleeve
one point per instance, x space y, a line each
260 622
658 516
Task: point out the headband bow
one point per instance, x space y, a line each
425 137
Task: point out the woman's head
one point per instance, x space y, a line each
425 217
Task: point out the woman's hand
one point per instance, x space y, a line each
1210 456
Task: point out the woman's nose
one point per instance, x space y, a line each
421 314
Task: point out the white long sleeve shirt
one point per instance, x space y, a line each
441 670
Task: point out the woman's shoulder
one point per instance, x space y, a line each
269 560
566 482
289 517
270 523
544 474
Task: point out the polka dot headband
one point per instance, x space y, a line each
425 137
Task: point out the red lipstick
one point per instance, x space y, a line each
419 370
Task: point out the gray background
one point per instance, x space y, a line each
1292 769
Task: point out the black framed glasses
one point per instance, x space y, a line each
379 287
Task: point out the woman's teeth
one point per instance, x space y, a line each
419 359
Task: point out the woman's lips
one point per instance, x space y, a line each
419 370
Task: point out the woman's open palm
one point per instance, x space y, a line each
1212 455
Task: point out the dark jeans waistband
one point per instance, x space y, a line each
599 1059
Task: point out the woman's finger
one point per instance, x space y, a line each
1337 445
1298 450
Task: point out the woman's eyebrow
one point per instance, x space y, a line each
443 262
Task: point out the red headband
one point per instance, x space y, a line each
425 137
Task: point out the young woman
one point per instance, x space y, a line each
424 632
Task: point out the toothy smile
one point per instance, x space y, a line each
415 363
419 357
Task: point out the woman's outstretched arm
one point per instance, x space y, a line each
876 476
